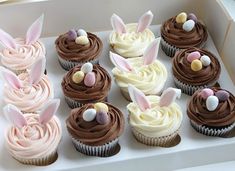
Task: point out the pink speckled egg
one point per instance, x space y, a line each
193 55
206 92
89 79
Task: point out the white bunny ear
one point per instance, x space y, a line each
37 71
35 30
169 95
14 115
150 54
138 98
7 40
144 21
48 111
120 62
117 24
11 78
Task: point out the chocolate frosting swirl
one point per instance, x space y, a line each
223 115
69 50
181 68
92 133
98 92
174 34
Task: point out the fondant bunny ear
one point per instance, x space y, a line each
120 62
169 95
14 115
35 30
144 21
138 98
150 54
7 40
48 111
11 78
37 70
117 24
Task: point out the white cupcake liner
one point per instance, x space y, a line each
218 132
163 141
101 151
67 65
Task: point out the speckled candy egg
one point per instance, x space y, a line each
196 65
82 40
222 95
101 107
72 35
102 118
89 115
193 55
181 18
206 92
206 61
188 25
212 103
87 67
78 77
81 32
193 17
89 79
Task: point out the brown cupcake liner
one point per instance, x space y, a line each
216 132
102 151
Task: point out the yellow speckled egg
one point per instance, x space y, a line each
181 18
78 77
101 107
82 40
196 65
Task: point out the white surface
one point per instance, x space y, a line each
230 7
194 149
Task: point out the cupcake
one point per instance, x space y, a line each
20 54
131 40
95 128
77 47
146 73
29 91
181 32
154 120
195 69
32 139
212 111
86 84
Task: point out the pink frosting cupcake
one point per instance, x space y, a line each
20 54
33 138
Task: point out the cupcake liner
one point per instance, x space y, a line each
67 65
218 132
163 141
101 151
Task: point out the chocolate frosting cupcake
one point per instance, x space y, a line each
223 115
92 133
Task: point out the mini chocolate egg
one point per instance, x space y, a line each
188 25
87 67
101 107
89 115
89 79
206 92
193 17
193 55
212 103
196 65
102 118
72 34
206 61
222 95
78 77
82 40
81 32
181 18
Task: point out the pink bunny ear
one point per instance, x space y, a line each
48 111
117 24
14 115
37 71
138 98
11 79
150 54
120 62
144 21
35 30
169 95
7 40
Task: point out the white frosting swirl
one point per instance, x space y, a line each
131 43
157 121
24 56
29 98
33 140
150 79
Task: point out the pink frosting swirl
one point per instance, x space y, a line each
24 56
34 140
29 98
